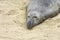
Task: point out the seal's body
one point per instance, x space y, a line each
40 10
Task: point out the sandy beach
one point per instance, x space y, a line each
13 23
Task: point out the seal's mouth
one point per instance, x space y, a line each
29 25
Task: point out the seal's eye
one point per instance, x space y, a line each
35 16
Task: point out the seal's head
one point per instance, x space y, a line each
33 19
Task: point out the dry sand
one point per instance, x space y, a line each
13 23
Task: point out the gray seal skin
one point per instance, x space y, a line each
40 10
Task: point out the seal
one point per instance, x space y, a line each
40 10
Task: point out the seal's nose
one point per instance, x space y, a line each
29 24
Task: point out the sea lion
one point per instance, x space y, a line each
40 10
